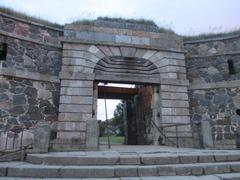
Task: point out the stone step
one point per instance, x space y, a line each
114 158
228 176
27 170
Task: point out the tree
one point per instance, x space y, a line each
117 119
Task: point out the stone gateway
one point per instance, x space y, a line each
187 93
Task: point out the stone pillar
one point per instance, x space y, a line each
41 137
76 107
206 134
174 109
92 135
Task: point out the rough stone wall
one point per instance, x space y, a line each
214 92
24 102
29 29
29 83
31 57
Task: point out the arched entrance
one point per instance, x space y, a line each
87 62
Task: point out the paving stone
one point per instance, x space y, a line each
38 171
166 170
208 177
3 171
87 172
188 159
129 159
214 168
151 159
235 167
197 170
229 176
126 171
183 170
147 171
206 158
130 178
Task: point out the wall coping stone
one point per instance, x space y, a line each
30 22
215 85
212 39
213 55
28 75
12 35
122 36
89 28
121 45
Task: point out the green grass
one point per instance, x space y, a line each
113 139
211 35
28 17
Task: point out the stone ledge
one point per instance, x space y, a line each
28 75
12 35
148 47
215 85
30 22
213 55
113 30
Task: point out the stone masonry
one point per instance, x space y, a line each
52 75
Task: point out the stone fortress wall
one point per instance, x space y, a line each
213 69
30 85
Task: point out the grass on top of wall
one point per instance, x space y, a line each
211 35
123 20
27 17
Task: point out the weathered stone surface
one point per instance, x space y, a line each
92 134
41 137
129 159
206 133
126 171
87 172
147 171
150 159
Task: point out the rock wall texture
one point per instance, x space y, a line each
29 84
32 57
214 92
24 102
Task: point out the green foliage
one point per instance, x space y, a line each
211 35
84 22
102 127
117 119
165 30
135 21
29 18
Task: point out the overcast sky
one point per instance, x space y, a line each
185 17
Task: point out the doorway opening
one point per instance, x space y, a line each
128 113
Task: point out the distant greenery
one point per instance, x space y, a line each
135 21
211 35
113 139
28 17
84 22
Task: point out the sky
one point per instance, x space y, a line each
185 17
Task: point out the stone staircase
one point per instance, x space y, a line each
195 164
